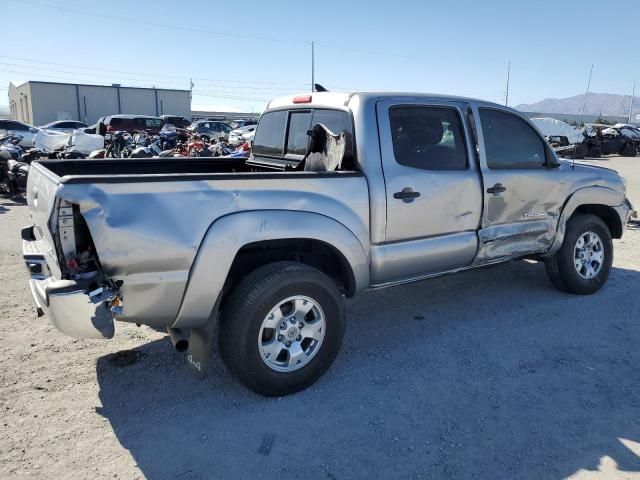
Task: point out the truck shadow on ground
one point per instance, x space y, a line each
487 374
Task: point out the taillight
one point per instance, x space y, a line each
302 99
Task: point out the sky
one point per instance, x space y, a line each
241 54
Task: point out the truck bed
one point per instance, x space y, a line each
148 217
114 170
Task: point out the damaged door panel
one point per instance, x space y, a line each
524 188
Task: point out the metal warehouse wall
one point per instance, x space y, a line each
44 102
96 102
138 101
49 99
174 102
20 102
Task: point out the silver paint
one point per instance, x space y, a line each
401 261
172 243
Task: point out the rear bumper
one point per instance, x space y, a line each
64 302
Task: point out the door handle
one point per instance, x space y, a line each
497 189
407 195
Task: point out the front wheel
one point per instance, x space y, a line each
583 263
282 328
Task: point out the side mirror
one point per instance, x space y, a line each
33 130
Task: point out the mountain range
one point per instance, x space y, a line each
597 104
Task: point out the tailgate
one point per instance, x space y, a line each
42 186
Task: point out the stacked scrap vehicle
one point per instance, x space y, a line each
608 140
592 140
567 141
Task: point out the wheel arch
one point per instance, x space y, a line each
602 202
310 251
606 213
235 240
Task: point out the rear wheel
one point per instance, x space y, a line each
595 152
583 263
581 151
629 150
282 328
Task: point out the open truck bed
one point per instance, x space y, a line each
138 225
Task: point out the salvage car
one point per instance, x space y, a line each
343 193
611 140
238 136
130 124
631 132
64 126
13 127
210 130
567 141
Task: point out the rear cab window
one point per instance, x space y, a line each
281 135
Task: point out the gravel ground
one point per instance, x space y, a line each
488 374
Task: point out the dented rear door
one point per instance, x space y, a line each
523 187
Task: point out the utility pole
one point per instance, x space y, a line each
584 105
190 93
633 94
313 66
506 100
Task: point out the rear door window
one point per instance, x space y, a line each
153 122
429 138
17 126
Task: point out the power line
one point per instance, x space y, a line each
155 74
230 97
139 21
219 87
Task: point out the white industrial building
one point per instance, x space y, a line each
38 103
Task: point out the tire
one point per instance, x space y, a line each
562 268
629 150
243 342
595 152
581 151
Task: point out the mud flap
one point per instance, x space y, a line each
199 352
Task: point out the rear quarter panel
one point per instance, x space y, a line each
147 233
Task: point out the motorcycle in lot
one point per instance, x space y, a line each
13 171
9 147
117 143
168 136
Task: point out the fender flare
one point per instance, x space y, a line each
592 195
228 234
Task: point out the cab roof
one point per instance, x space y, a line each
341 99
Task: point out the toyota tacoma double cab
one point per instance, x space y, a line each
262 252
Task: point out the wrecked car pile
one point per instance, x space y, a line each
592 140
607 140
112 142
567 141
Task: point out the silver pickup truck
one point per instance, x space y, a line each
263 251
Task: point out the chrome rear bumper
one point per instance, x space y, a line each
64 302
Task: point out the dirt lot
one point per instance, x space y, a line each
488 374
